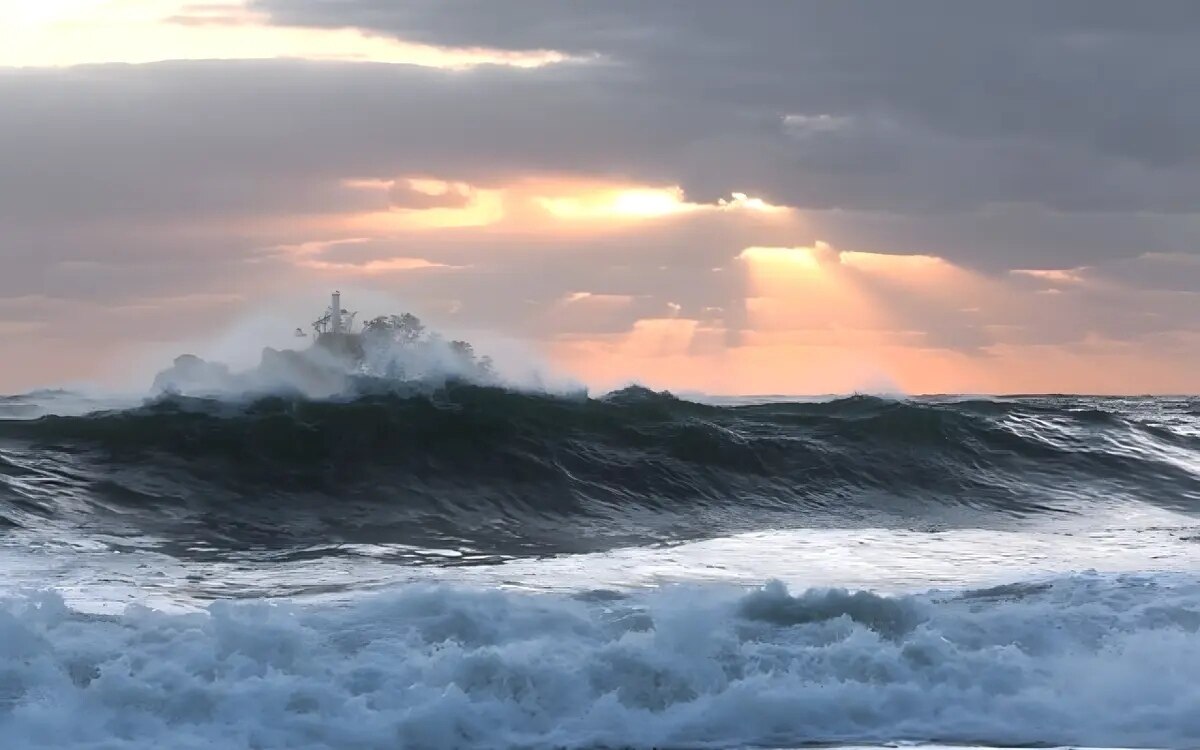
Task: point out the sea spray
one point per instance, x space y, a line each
1083 659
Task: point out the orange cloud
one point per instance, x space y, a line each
308 255
581 201
794 288
820 320
568 206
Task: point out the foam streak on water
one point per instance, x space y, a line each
1084 659
475 568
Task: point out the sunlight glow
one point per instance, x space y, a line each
626 203
649 203
548 203
857 313
585 203
59 33
786 258
804 289
885 263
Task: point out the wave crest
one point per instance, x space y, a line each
521 471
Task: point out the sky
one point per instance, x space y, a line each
783 196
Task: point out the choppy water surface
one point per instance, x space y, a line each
471 567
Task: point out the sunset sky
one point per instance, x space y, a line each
775 196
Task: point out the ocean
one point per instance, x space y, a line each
463 566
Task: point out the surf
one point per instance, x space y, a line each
507 471
1085 659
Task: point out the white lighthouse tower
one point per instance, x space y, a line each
336 321
335 314
335 330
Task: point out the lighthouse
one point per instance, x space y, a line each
335 314
335 330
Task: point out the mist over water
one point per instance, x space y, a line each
245 362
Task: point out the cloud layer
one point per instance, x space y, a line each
1040 154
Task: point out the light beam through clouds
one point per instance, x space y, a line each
849 206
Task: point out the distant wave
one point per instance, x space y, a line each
518 473
1083 660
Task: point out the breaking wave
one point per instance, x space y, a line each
519 473
1078 660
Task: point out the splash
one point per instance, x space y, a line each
396 349
1080 660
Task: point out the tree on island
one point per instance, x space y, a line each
404 329
399 341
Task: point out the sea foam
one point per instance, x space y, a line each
1086 659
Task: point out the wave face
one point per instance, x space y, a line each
508 473
1078 660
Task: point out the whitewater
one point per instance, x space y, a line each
473 567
